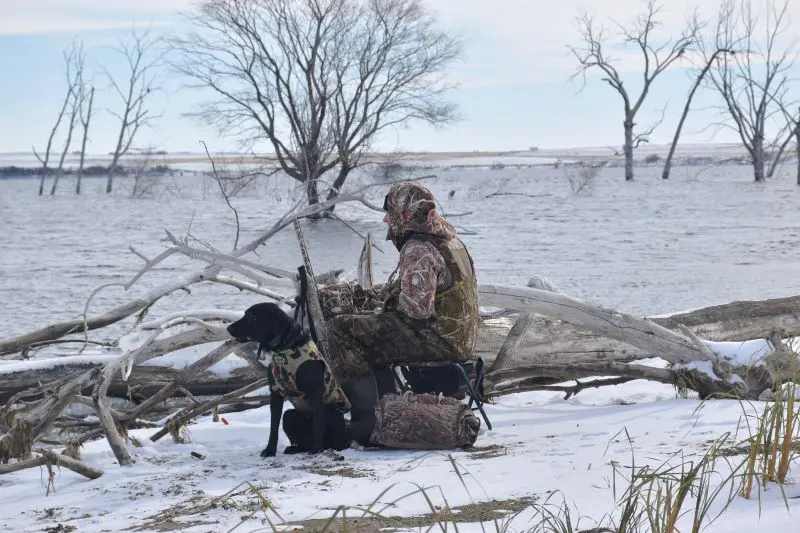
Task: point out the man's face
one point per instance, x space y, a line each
387 218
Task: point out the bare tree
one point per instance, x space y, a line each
85 112
753 82
709 60
393 74
790 131
77 64
317 79
657 56
142 60
73 62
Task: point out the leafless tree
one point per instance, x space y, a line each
317 79
657 55
75 74
709 59
86 113
73 62
792 132
142 60
753 82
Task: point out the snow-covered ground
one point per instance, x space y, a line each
707 236
540 444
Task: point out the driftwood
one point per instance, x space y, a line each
49 457
543 341
184 416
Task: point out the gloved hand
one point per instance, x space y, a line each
391 298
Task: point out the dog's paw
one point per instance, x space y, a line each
268 452
292 450
315 451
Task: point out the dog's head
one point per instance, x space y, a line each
267 324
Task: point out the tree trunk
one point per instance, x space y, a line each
338 183
53 188
797 150
41 181
85 124
628 148
689 98
545 341
110 180
758 159
312 192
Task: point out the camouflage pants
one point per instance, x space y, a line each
362 343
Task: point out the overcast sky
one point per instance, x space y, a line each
514 90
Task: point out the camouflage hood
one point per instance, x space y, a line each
412 209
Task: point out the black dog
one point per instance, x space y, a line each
299 374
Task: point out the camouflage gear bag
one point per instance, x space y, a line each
424 422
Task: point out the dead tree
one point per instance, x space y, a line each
753 82
142 61
708 61
317 79
657 56
790 132
75 74
85 114
73 61
797 145
391 74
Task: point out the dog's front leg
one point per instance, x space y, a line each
276 411
311 381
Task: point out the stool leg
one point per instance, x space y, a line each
474 395
403 386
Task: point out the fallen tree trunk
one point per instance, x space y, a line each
740 321
642 333
49 457
544 341
143 382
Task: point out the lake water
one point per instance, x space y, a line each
645 247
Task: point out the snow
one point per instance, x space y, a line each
540 443
705 237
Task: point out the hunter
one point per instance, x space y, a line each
426 312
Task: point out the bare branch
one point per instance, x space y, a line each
142 60
317 80
752 80
591 56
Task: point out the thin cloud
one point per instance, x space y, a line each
50 16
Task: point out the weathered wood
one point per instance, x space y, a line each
741 320
184 378
26 426
510 348
55 331
141 354
143 382
364 275
508 351
645 335
547 340
53 458
187 414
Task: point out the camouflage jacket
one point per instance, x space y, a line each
434 279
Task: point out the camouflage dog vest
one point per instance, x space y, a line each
283 372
